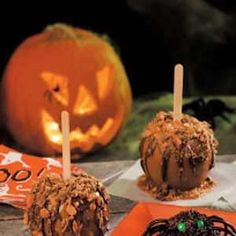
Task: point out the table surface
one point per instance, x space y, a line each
108 171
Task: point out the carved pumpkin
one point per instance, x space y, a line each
65 68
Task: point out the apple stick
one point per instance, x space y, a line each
66 160
178 91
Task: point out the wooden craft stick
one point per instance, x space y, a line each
66 159
178 91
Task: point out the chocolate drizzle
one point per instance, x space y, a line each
141 147
180 163
164 167
195 161
188 142
78 206
151 147
212 160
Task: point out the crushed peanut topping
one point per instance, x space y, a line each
78 206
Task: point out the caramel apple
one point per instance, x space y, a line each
77 206
177 154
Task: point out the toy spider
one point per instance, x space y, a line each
189 223
208 111
49 92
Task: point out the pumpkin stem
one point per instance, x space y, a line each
61 30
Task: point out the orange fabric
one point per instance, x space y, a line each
18 171
136 221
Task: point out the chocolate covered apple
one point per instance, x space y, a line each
177 151
77 206
67 205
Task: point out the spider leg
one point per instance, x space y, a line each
154 222
48 95
156 226
228 228
212 123
222 115
206 232
157 229
223 230
215 218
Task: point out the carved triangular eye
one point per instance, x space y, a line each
85 103
57 87
104 82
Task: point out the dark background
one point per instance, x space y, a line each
150 35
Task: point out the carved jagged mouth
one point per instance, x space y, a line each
78 138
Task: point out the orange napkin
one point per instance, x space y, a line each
18 171
143 213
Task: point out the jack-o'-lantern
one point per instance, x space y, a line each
65 68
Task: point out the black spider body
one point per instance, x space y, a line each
189 223
208 111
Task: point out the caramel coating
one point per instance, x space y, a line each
78 206
177 153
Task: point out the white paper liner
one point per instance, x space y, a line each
223 174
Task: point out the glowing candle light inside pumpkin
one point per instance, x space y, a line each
52 129
85 104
